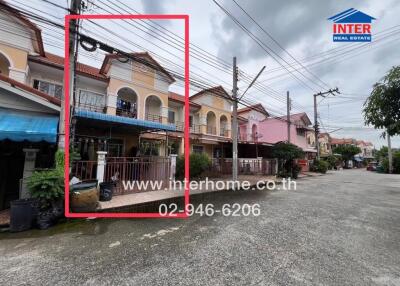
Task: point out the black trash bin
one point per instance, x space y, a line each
106 191
23 214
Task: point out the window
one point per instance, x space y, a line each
198 149
171 116
91 100
300 132
190 120
52 89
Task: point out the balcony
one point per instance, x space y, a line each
126 103
91 101
242 137
153 117
211 130
224 132
180 126
126 109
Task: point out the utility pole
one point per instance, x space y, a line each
316 127
73 35
235 123
235 119
390 156
288 107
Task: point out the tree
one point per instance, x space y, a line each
382 108
347 152
381 153
286 153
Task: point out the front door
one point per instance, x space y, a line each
12 160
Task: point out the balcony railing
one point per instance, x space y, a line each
91 107
224 132
211 130
154 117
180 126
126 108
195 129
242 137
91 101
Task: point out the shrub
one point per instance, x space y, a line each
48 185
198 165
332 161
286 153
295 171
320 166
396 164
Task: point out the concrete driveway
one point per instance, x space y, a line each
338 229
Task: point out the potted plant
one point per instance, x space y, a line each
47 186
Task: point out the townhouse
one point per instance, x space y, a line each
274 130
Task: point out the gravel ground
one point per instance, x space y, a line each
338 229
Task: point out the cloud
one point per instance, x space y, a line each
290 22
155 6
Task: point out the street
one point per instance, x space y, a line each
339 229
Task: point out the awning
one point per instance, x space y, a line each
144 124
19 125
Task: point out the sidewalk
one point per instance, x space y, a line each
154 196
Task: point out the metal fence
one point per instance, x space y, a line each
246 166
84 170
137 170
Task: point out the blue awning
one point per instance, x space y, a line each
143 124
19 125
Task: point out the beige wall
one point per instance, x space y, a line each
17 56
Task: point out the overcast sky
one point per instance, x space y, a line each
301 27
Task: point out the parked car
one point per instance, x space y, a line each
372 166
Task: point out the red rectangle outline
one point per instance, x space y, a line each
186 129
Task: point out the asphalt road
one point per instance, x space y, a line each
339 229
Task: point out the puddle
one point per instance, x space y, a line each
78 226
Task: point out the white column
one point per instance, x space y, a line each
101 163
29 167
111 100
173 166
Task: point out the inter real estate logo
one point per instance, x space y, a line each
352 26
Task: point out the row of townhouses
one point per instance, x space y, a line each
124 109
328 144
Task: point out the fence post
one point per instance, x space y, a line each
101 162
260 159
276 166
173 166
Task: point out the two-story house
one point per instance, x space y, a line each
274 130
28 116
116 106
252 144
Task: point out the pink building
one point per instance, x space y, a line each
274 130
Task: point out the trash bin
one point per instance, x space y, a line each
106 191
23 214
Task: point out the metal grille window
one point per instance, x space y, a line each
91 100
52 89
171 116
190 121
